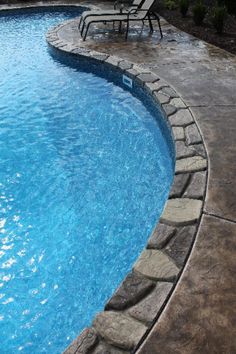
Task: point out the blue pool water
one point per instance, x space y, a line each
84 173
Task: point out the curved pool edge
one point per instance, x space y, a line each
110 326
136 305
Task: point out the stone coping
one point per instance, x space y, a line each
136 305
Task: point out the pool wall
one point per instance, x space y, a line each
138 302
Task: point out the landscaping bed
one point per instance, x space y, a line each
206 32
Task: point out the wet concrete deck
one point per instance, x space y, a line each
200 316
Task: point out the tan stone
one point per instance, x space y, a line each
147 309
181 211
156 265
178 133
119 329
177 102
191 164
182 118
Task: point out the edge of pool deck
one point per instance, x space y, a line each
175 301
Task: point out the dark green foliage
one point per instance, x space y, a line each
199 13
184 6
171 4
219 14
230 5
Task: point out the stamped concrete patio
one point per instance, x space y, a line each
200 316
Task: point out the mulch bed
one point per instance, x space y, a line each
206 32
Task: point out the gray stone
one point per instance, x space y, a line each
183 151
160 236
191 164
155 265
112 60
177 102
119 329
133 72
83 343
132 290
181 118
147 77
170 92
181 211
150 86
98 56
179 246
179 185
104 348
169 109
147 309
199 149
178 133
160 84
161 98
196 188
192 135
125 65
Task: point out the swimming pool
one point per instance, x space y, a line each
85 171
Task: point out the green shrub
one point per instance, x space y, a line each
229 4
171 4
218 17
184 6
199 13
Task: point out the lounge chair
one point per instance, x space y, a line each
139 14
136 4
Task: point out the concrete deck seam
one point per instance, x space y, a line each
219 217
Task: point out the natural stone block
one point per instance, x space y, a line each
98 56
132 290
133 71
119 329
179 246
199 150
177 102
169 109
155 265
179 185
125 65
147 309
192 135
83 343
160 236
181 211
181 118
151 86
178 133
191 164
113 60
161 98
170 92
147 77
182 150
197 185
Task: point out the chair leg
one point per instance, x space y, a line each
150 24
82 30
159 23
127 30
80 21
86 31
